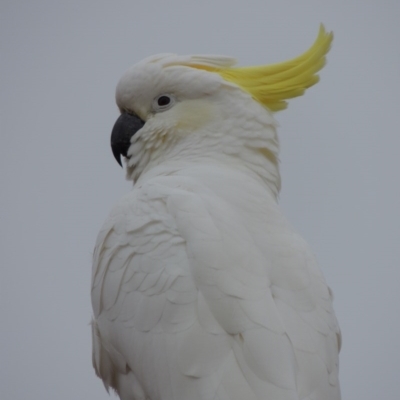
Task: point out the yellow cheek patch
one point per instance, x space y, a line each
193 114
271 85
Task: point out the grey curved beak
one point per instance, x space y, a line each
124 128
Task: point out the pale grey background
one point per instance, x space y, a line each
60 62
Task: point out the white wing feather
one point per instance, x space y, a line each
202 292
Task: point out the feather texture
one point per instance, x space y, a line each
192 289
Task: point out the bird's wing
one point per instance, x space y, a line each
185 304
143 293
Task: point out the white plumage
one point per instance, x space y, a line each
201 289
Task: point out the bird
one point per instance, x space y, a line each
201 288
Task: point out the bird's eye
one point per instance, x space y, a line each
163 101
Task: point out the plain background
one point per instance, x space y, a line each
59 64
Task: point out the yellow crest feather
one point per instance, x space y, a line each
272 84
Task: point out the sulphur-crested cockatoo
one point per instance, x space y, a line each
201 289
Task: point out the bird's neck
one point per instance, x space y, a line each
259 164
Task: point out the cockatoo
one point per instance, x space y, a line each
201 289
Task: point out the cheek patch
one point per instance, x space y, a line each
193 114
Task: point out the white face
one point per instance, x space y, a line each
171 101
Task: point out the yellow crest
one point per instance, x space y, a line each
272 84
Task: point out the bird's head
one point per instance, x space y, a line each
170 104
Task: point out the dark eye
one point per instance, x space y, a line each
163 101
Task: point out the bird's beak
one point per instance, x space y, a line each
124 128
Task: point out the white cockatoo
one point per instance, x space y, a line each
201 289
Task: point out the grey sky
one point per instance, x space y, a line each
60 62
